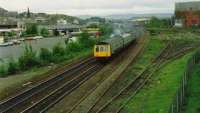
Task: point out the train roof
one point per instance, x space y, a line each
110 40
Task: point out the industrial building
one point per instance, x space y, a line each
187 14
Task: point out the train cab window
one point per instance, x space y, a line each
105 49
97 49
101 49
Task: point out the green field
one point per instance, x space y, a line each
193 92
158 95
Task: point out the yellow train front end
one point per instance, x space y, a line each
102 51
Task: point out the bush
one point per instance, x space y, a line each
58 53
106 29
159 23
73 47
31 29
45 55
86 41
28 59
58 50
3 71
44 32
12 67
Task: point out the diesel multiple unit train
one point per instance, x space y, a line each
107 48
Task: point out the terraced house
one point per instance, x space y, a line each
187 14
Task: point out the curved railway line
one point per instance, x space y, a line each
42 97
139 47
30 99
136 84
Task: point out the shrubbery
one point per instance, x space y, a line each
3 71
73 47
12 67
58 53
31 59
44 32
85 40
28 59
45 56
160 23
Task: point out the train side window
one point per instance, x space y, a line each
97 49
101 49
106 49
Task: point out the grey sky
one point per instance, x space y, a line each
92 7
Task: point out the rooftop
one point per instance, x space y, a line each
186 6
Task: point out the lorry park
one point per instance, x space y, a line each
98 65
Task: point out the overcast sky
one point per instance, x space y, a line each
92 7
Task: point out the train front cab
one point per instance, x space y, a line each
102 51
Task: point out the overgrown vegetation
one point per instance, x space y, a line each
193 91
44 32
160 23
31 59
158 95
45 56
106 29
31 30
28 59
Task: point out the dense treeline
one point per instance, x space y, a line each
33 30
160 23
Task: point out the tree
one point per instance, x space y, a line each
45 55
44 32
58 50
159 23
28 59
32 29
106 29
12 67
85 40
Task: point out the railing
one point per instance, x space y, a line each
180 99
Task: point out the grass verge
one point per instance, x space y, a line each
157 97
193 91
152 49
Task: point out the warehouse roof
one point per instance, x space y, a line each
64 26
186 6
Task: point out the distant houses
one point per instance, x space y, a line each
187 14
23 24
63 29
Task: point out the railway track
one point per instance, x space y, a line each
135 85
138 49
55 87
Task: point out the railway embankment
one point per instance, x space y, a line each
129 76
155 96
12 85
91 100
33 67
94 97
93 89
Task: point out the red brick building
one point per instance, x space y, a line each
187 14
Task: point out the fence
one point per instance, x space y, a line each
179 99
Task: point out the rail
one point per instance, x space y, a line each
15 101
